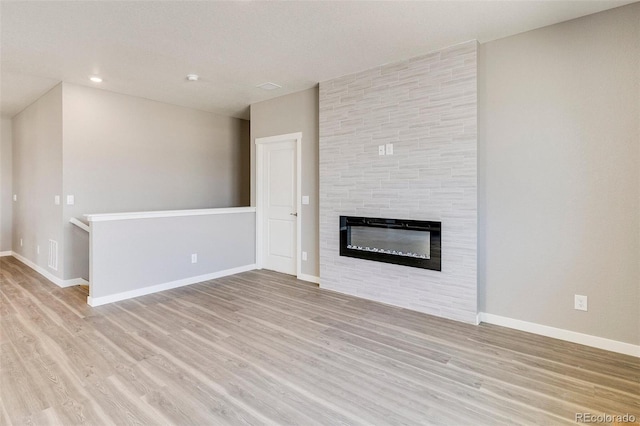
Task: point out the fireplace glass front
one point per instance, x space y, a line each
404 242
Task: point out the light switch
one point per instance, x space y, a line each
304 255
15 197
70 200
389 149
56 200
381 150
305 199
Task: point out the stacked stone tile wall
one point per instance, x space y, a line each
427 108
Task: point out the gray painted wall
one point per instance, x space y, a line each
123 153
426 107
6 208
133 254
37 178
297 112
560 175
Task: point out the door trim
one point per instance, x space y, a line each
260 142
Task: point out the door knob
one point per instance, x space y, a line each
293 214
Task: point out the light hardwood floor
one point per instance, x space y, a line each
263 348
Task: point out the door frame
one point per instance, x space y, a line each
260 169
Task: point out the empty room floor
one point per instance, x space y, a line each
264 348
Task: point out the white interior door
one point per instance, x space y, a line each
279 209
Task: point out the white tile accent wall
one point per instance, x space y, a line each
426 107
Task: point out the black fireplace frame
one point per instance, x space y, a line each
434 228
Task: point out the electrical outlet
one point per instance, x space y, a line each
580 302
381 150
389 149
38 249
194 258
304 255
20 242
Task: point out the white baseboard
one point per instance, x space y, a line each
559 333
5 253
48 275
103 300
76 281
309 278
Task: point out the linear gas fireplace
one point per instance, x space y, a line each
403 242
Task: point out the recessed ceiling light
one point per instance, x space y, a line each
95 79
192 77
269 86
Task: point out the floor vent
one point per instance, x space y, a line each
53 255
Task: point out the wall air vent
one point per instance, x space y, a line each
53 255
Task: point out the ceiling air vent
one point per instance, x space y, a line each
269 86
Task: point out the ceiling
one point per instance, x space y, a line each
147 48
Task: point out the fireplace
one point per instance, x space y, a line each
413 243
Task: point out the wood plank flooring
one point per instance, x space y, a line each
263 348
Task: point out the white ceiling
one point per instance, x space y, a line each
147 48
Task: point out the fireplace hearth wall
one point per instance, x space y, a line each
427 108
